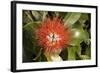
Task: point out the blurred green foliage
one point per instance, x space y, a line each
79 23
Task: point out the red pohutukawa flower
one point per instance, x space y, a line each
52 35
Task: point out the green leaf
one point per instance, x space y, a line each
71 53
25 18
44 14
38 55
32 25
30 47
62 14
71 18
88 52
36 15
86 36
42 58
28 13
57 14
84 57
84 17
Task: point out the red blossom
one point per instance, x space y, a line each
52 35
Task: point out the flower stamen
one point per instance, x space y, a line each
53 38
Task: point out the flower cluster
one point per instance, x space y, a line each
52 35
